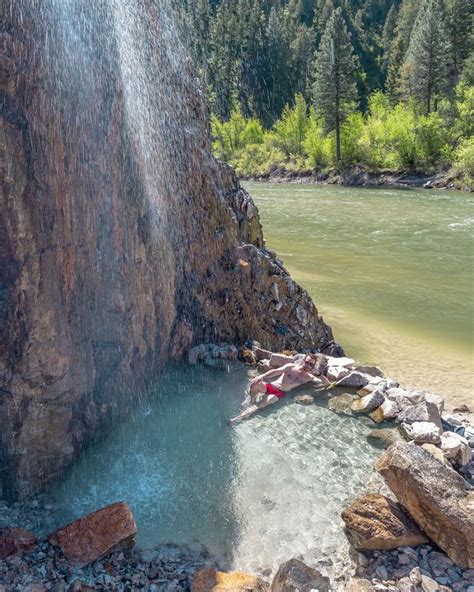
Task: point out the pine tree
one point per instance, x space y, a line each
334 89
426 64
460 16
399 46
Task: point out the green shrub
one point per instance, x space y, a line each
464 159
289 132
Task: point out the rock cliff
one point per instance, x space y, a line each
122 241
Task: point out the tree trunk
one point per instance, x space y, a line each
338 139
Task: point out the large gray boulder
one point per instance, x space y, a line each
435 496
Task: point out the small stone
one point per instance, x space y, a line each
304 399
210 580
404 559
381 572
358 585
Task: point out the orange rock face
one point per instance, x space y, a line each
374 522
13 540
96 534
210 580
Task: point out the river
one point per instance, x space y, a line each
391 270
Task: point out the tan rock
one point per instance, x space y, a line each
374 522
435 451
296 576
377 415
368 403
210 580
13 540
96 534
435 496
384 437
359 585
341 403
304 399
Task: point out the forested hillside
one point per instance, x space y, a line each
315 83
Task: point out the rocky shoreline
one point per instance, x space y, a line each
359 176
414 535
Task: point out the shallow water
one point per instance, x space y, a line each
267 490
391 270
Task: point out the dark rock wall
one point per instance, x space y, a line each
104 275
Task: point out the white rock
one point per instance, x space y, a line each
436 400
332 361
422 432
389 409
337 372
456 447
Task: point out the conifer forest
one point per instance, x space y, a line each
314 84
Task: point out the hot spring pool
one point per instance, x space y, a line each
267 490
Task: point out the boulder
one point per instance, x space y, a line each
422 432
343 361
436 400
210 580
374 522
341 403
354 379
368 403
336 373
389 409
435 496
435 451
13 540
97 534
370 370
384 437
424 411
296 576
456 448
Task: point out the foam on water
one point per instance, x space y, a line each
270 489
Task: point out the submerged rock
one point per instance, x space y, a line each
304 399
211 580
96 534
435 496
296 576
374 522
341 403
384 437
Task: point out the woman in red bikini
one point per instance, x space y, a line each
272 386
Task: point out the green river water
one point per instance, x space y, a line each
391 270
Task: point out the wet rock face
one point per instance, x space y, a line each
122 242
